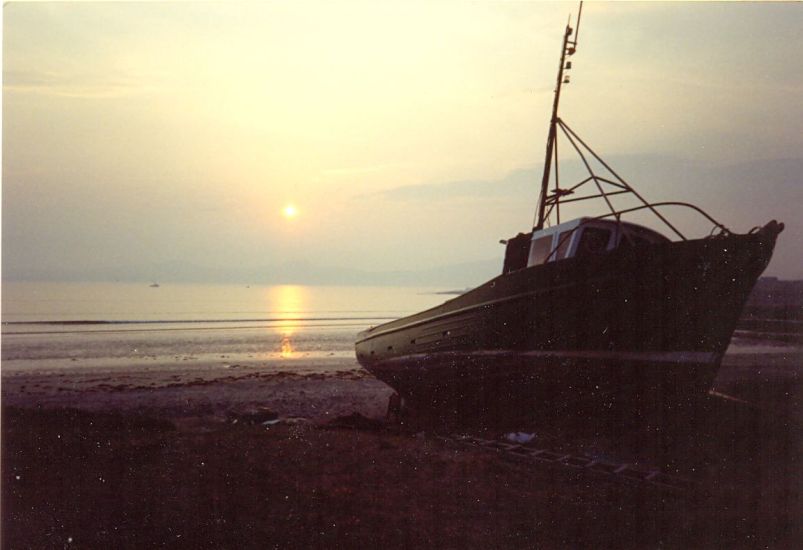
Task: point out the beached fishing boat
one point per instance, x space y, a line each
595 306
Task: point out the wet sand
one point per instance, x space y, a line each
188 387
175 454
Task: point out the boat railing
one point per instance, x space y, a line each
651 206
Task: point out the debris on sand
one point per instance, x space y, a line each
251 415
520 437
355 421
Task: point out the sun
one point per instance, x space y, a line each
290 211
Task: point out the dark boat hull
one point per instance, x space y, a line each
496 384
634 322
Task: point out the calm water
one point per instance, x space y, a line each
75 321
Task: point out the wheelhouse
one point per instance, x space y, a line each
577 238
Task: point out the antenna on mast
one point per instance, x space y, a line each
577 30
568 48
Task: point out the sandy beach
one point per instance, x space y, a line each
176 454
189 387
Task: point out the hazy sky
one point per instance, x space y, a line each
406 134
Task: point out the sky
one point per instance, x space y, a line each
138 137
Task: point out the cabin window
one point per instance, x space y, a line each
593 240
541 249
564 239
634 240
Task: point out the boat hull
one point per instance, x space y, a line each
495 383
633 322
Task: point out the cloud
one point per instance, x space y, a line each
86 85
526 182
521 182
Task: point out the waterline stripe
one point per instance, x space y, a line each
676 357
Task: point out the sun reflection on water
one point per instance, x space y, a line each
287 303
287 347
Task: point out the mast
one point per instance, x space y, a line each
606 185
568 48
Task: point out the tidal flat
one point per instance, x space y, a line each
177 455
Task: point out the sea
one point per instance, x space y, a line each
93 323
105 324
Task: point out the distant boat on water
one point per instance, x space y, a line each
154 285
592 307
